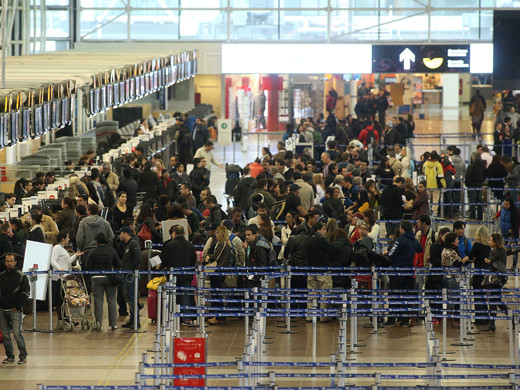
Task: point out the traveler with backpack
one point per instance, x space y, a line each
368 134
245 187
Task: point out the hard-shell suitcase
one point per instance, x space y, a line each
152 305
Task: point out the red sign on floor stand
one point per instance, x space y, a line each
189 350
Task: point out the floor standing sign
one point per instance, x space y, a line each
189 350
224 132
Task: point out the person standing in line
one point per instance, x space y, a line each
103 258
131 261
14 291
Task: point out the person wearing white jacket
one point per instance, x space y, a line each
406 162
61 261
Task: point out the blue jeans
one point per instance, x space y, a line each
128 291
184 297
12 321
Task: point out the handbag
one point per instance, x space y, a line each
156 282
492 281
145 233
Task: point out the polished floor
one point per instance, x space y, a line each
111 357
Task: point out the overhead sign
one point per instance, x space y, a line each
421 59
276 58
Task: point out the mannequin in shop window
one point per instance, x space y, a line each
261 109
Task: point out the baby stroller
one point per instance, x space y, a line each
77 305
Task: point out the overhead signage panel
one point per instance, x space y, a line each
296 58
420 59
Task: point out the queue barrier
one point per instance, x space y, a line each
353 303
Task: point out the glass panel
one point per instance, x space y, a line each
57 45
54 3
155 3
103 24
102 4
38 26
203 25
154 24
254 3
203 4
305 25
486 25
339 23
303 3
254 25
359 25
455 24
455 4
403 25
57 23
404 3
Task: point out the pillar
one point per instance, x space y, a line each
272 84
450 96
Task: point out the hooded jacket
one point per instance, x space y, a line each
14 289
432 170
132 256
88 228
403 251
475 174
459 165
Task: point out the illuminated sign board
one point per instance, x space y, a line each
420 59
296 58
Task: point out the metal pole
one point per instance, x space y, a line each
288 303
136 299
4 38
49 285
314 307
159 306
148 246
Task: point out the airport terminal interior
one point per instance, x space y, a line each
89 82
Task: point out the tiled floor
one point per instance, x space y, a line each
110 358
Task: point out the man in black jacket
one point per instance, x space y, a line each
148 182
245 187
14 291
257 252
216 215
179 253
392 203
475 177
129 186
318 252
131 262
5 244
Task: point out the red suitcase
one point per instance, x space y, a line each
152 305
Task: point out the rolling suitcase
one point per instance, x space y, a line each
152 305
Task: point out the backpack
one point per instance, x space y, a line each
360 256
233 253
278 211
370 136
318 137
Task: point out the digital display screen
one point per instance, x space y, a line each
420 58
506 56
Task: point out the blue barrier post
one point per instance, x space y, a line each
49 289
288 303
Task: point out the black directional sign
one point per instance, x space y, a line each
420 58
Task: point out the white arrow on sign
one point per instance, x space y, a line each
407 57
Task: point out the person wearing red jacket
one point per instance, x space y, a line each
256 168
368 134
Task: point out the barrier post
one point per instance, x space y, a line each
444 326
375 305
33 278
314 309
246 307
136 303
148 247
441 202
462 327
470 300
173 292
288 304
332 360
353 319
159 306
200 297
49 289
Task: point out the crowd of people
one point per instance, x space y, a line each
298 209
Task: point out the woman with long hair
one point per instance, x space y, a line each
35 228
331 227
120 211
266 155
317 179
385 173
450 257
420 205
342 256
374 195
497 262
147 225
220 256
61 260
480 251
264 221
287 229
373 227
